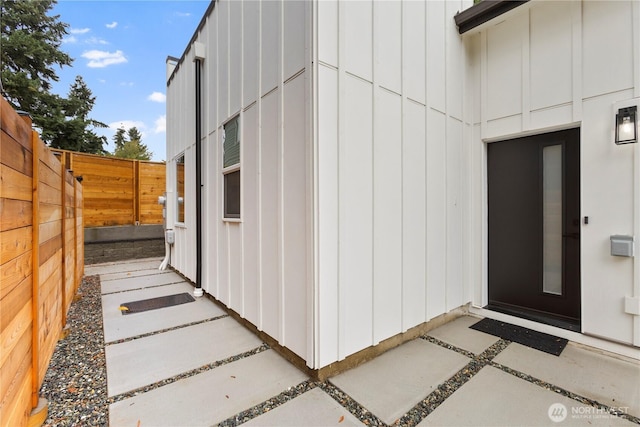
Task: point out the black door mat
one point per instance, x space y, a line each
538 340
155 303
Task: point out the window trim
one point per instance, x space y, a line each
177 199
236 167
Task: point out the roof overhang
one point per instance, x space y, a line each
482 12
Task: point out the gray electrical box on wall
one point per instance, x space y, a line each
622 246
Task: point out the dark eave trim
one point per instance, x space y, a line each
482 12
203 21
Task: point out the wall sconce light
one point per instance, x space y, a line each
627 125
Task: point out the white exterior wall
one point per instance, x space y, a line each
256 65
389 157
555 65
363 155
181 139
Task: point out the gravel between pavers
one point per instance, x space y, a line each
76 381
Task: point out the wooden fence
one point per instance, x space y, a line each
41 262
118 191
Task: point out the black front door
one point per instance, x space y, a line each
534 227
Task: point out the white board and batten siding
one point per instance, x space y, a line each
256 66
181 140
373 244
559 65
363 132
390 172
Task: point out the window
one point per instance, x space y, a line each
231 167
180 188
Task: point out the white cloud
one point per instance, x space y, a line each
70 39
103 81
157 97
95 40
79 30
112 25
129 84
161 124
101 58
183 14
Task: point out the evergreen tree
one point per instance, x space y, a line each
76 131
30 51
131 148
119 138
134 134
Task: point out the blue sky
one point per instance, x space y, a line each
119 49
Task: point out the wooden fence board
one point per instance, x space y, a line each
10 336
98 221
69 178
49 298
50 229
16 357
50 213
117 210
16 403
14 272
69 195
14 301
51 284
109 173
49 194
15 155
49 176
49 318
47 269
49 159
152 185
34 299
15 213
50 329
50 248
14 184
13 125
119 191
14 243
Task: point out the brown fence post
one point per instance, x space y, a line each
35 350
136 191
64 297
75 238
81 232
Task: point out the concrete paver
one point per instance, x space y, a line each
163 344
137 273
587 373
495 398
144 361
118 326
210 397
394 382
140 282
119 267
313 408
457 333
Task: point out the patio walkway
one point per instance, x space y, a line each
191 364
